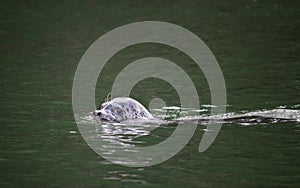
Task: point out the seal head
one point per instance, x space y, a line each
122 108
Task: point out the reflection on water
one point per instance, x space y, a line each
124 176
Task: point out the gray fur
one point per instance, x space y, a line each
122 108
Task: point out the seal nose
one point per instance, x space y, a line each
97 113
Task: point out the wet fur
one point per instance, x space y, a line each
121 108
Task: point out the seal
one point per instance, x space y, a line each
122 108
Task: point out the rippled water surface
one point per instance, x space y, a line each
255 42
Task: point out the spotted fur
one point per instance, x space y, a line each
122 108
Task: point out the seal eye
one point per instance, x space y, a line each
99 113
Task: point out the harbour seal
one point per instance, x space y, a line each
122 108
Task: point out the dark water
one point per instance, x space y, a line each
255 42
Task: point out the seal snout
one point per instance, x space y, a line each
97 112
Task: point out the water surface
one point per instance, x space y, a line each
255 42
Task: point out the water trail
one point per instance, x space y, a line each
279 114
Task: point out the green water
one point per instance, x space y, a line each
255 42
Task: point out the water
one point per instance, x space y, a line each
256 44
